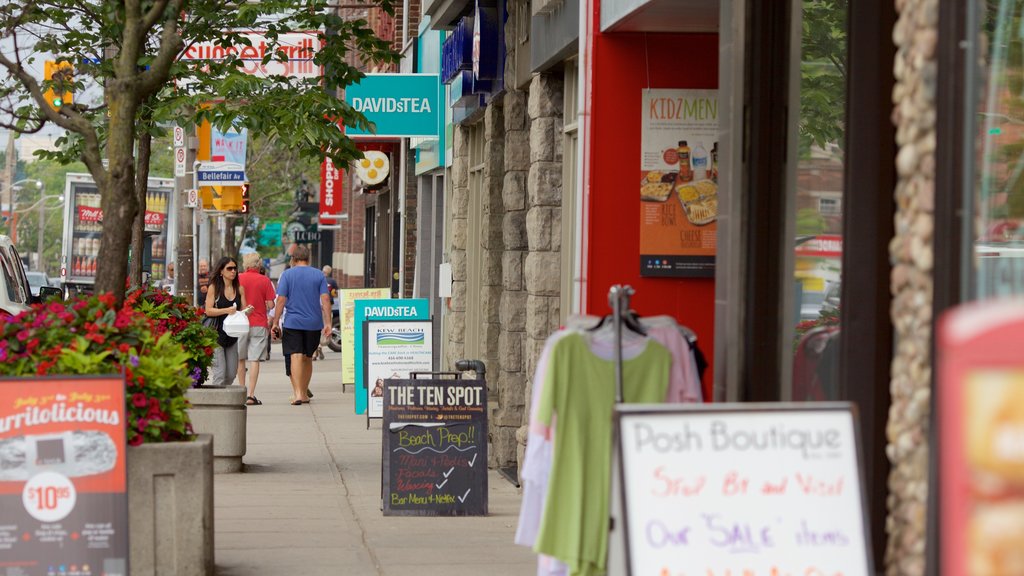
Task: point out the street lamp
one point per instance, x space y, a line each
40 207
14 215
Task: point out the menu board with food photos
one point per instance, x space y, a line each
980 395
678 183
62 476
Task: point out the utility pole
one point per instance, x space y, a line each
42 226
185 265
8 197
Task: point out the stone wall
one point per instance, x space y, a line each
543 227
458 207
915 70
513 298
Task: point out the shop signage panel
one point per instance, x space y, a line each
434 448
457 51
743 489
298 49
63 481
383 309
398 105
486 35
347 310
678 183
393 350
331 187
980 398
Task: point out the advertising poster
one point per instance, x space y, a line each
743 489
394 349
347 310
980 395
383 309
62 477
435 448
678 183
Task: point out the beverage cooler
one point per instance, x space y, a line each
83 227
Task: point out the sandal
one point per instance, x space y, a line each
297 402
253 401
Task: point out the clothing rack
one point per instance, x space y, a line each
618 298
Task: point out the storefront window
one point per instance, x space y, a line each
818 202
996 255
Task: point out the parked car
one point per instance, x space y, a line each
37 280
15 294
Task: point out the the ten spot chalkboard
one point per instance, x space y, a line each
435 448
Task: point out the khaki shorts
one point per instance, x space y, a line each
253 346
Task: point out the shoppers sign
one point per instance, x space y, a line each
435 448
62 476
743 489
394 349
981 409
367 310
398 105
331 186
678 182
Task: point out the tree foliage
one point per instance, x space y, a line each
131 51
823 74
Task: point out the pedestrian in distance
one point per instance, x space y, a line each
168 282
254 347
225 297
203 276
302 292
332 290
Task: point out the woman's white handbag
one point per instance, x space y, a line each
236 325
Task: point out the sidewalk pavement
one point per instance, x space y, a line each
308 501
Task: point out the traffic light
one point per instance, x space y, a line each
245 198
61 77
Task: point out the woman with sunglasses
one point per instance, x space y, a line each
225 297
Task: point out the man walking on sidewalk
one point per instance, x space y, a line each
253 347
302 292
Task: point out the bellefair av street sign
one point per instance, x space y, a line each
399 105
220 174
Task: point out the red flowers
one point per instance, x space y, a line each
139 400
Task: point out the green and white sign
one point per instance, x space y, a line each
379 309
399 105
394 350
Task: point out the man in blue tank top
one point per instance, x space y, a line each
302 292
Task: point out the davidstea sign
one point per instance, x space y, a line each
389 309
398 105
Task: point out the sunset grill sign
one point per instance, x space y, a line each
298 47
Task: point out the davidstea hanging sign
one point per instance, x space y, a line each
398 105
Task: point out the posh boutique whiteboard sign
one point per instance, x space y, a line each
771 490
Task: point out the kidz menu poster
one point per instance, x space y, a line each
63 477
678 183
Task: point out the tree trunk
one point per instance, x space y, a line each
141 189
119 203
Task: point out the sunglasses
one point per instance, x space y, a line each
231 267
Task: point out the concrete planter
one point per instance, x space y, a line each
170 508
220 411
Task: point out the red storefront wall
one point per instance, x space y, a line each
623 65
